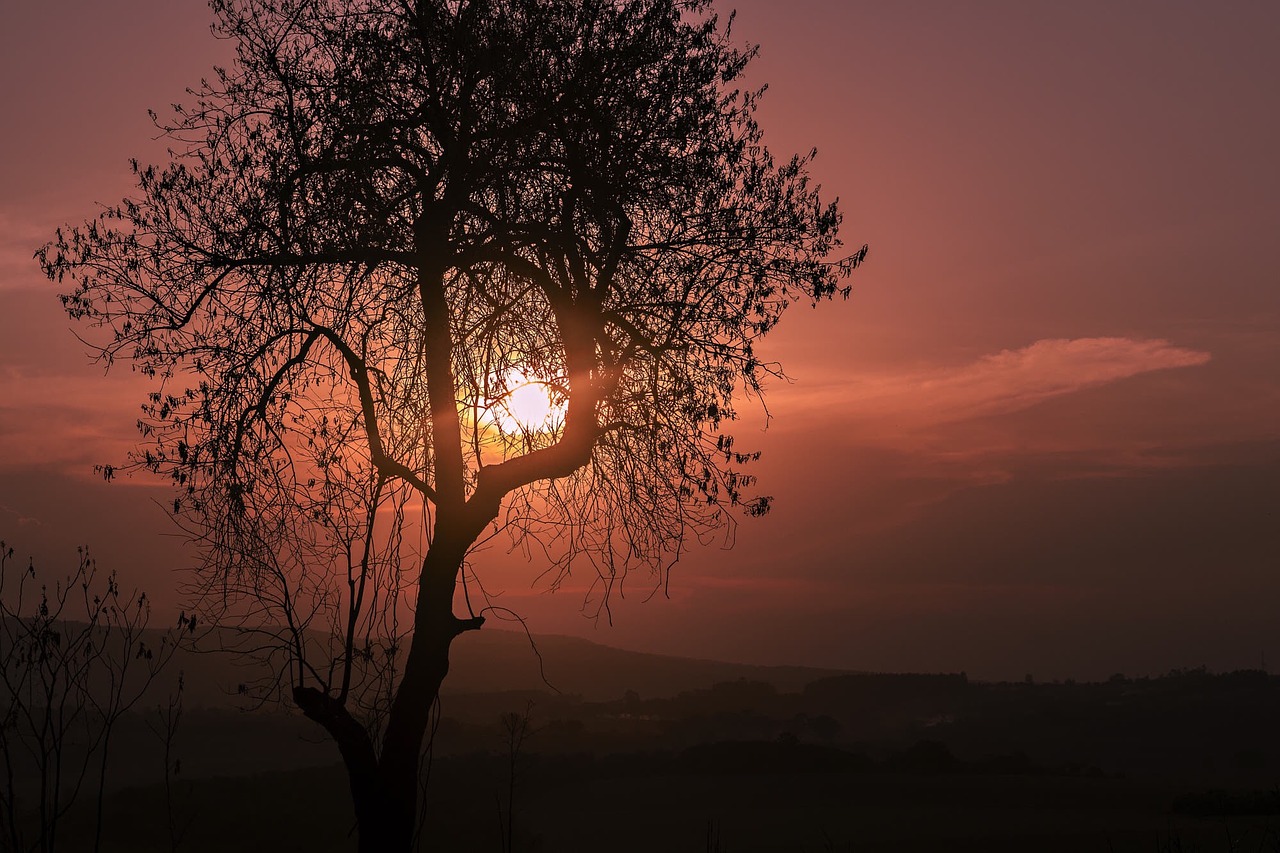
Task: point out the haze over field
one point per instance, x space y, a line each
1042 436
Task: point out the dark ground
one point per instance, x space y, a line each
733 813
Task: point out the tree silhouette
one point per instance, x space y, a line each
73 662
375 227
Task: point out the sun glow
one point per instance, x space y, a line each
528 404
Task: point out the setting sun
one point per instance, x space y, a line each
528 405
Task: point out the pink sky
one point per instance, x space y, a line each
1043 435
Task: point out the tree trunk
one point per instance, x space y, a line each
384 791
384 784
357 754
402 747
435 628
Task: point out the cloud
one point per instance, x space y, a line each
22 519
902 439
20 236
68 422
1011 380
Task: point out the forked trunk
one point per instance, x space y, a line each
384 788
384 783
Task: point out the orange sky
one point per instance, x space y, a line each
1042 436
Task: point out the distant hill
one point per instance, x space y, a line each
490 661
495 660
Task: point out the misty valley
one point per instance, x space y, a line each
634 752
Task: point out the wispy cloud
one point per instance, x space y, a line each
981 422
22 519
20 236
1010 380
67 421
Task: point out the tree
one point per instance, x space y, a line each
73 662
517 727
383 224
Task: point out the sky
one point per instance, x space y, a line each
1041 437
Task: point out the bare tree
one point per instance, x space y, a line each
382 226
165 728
516 728
73 661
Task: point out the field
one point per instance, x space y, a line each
558 809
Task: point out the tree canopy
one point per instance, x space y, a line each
374 226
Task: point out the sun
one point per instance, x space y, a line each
529 405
